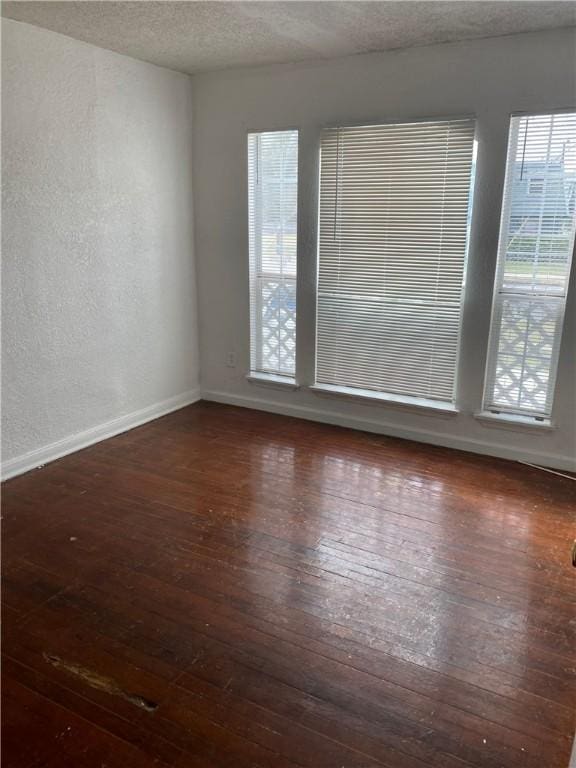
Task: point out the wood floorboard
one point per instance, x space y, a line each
224 587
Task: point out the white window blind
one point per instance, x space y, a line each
394 205
534 258
272 201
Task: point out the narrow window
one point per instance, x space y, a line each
272 204
394 214
534 257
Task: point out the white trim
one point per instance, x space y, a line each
573 755
501 293
515 420
556 461
378 122
272 380
384 398
33 459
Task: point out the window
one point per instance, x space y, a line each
272 201
394 215
534 256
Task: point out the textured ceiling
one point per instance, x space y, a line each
200 36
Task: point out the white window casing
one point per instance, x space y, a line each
272 224
534 258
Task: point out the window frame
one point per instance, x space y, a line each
509 416
257 375
375 397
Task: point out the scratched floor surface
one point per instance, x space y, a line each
227 588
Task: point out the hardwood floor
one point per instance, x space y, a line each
224 587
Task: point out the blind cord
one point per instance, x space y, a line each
545 469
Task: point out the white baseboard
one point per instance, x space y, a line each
27 461
485 448
76 442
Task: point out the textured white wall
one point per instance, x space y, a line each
490 78
99 307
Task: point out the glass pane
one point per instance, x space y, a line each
525 352
535 254
278 325
273 197
542 195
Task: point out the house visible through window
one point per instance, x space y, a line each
534 258
394 216
272 201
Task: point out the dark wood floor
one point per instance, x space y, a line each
224 587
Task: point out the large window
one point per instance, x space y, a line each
394 215
534 257
272 193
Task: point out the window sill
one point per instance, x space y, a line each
514 421
366 395
271 380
